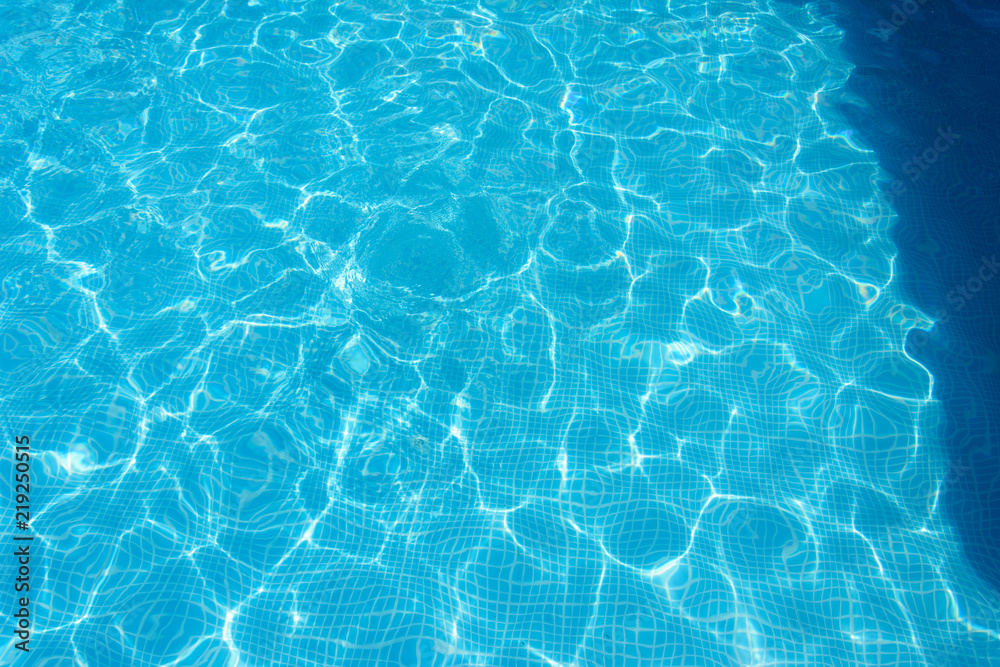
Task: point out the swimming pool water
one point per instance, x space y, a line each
431 334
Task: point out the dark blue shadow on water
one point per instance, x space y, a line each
928 71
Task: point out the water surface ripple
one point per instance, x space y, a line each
507 334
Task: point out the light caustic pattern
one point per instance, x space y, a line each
511 334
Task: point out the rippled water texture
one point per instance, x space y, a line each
512 334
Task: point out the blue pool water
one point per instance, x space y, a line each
507 334
935 70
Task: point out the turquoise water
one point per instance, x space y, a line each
498 334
